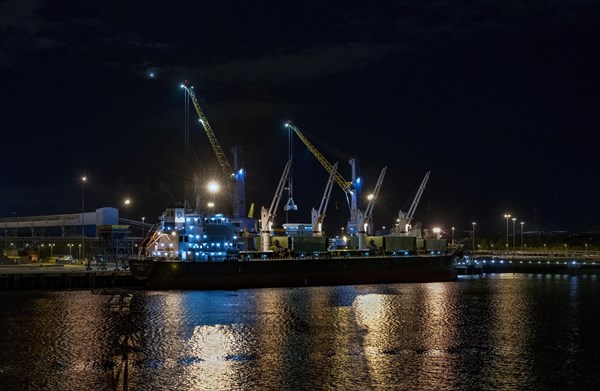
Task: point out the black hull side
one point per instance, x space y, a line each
162 275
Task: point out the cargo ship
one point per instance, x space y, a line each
214 252
192 249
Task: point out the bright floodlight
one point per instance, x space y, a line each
370 197
127 201
436 230
213 187
211 204
84 178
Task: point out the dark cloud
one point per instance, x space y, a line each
485 93
313 63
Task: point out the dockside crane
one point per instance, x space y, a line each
267 216
405 219
350 188
318 216
365 219
235 177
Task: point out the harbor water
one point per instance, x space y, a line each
495 332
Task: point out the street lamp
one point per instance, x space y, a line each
211 205
513 220
51 247
522 223
127 202
507 216
474 223
70 250
213 187
83 180
452 235
143 228
342 231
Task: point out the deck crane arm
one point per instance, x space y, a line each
267 216
364 219
368 216
222 159
413 207
344 184
319 216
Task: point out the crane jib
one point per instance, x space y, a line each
221 158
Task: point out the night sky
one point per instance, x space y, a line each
500 100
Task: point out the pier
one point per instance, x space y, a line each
523 262
55 276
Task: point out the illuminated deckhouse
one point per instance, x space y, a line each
196 237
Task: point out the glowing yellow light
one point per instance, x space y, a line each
213 187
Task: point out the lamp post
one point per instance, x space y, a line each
70 250
513 220
507 216
342 231
82 253
51 247
522 223
452 235
473 240
127 202
143 228
213 188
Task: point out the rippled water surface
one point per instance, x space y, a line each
509 332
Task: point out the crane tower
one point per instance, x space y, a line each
235 175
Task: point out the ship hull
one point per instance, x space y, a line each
163 275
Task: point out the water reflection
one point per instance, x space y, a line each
503 332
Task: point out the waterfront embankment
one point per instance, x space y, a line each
59 276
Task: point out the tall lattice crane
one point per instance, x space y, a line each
236 177
350 188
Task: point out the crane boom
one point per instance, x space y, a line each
267 216
369 211
413 207
318 216
221 158
343 183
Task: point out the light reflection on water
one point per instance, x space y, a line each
499 332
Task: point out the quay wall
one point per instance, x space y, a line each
54 278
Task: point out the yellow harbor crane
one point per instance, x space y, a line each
235 177
350 188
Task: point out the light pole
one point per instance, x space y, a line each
514 219
522 223
452 235
143 228
474 223
507 216
51 247
127 202
70 250
82 252
342 232
213 188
